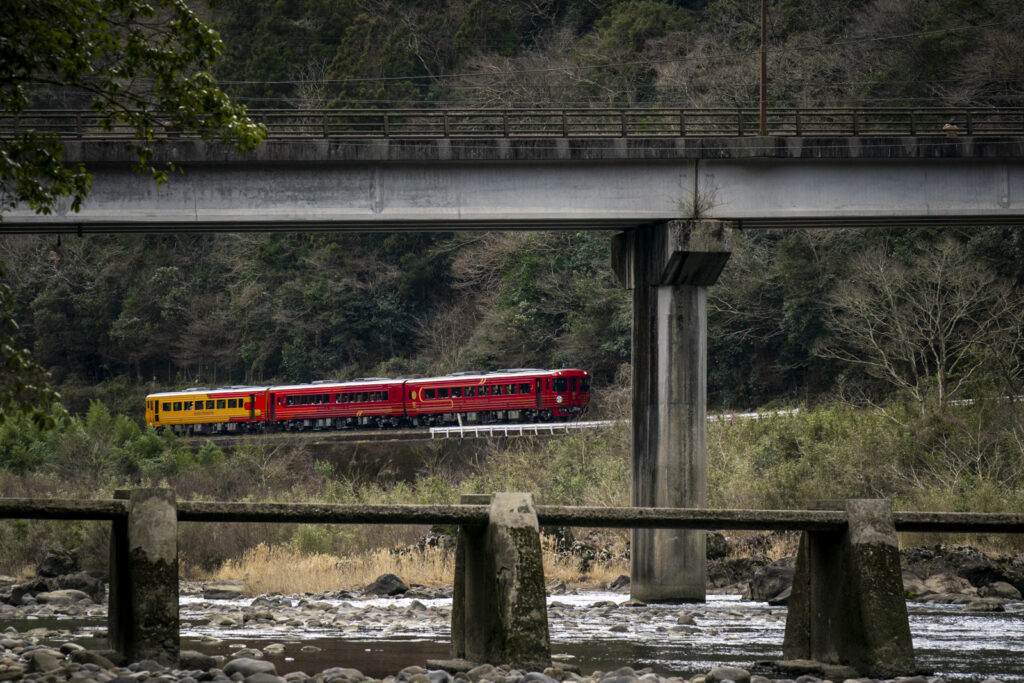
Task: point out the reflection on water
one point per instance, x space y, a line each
380 637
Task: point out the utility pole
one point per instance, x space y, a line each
763 118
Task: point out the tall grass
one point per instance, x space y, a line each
968 458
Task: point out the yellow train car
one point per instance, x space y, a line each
208 411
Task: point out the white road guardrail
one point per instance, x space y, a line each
537 428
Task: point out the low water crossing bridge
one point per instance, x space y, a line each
847 605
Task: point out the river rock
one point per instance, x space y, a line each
43 661
717 547
620 584
248 666
66 596
191 660
948 583
772 580
224 590
387 584
263 677
56 563
96 589
999 589
90 657
728 673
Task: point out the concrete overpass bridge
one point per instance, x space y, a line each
550 169
675 181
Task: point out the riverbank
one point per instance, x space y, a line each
385 630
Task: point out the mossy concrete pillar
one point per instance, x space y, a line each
847 605
143 610
499 607
669 267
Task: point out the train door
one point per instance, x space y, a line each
272 402
252 407
156 410
540 395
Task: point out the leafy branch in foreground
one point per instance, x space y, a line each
138 64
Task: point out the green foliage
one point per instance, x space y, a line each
136 64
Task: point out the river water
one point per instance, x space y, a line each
595 632
592 630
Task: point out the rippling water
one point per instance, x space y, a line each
957 645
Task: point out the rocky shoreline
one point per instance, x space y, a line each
944 575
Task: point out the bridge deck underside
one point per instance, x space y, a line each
385 188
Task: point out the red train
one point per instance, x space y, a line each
519 395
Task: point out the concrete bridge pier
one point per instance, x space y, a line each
142 616
847 606
669 267
499 602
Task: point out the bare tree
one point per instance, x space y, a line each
310 85
928 328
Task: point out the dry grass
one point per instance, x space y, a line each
279 569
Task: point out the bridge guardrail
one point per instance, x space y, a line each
633 122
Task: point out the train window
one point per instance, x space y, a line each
209 405
561 384
429 393
547 384
585 384
572 384
456 392
524 388
385 396
470 392
177 405
221 404
167 407
496 390
188 405
442 392
510 388
233 402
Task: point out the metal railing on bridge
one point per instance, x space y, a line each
633 122
527 429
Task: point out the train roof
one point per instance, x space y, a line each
206 390
494 374
332 384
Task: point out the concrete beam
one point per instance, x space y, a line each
669 266
325 188
847 605
499 608
143 610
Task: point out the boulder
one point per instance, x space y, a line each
223 590
86 583
620 584
999 589
61 597
56 563
248 666
191 660
386 584
948 583
772 580
717 547
728 673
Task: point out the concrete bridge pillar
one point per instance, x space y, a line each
143 610
499 602
847 605
669 267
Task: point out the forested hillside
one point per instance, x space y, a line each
136 313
